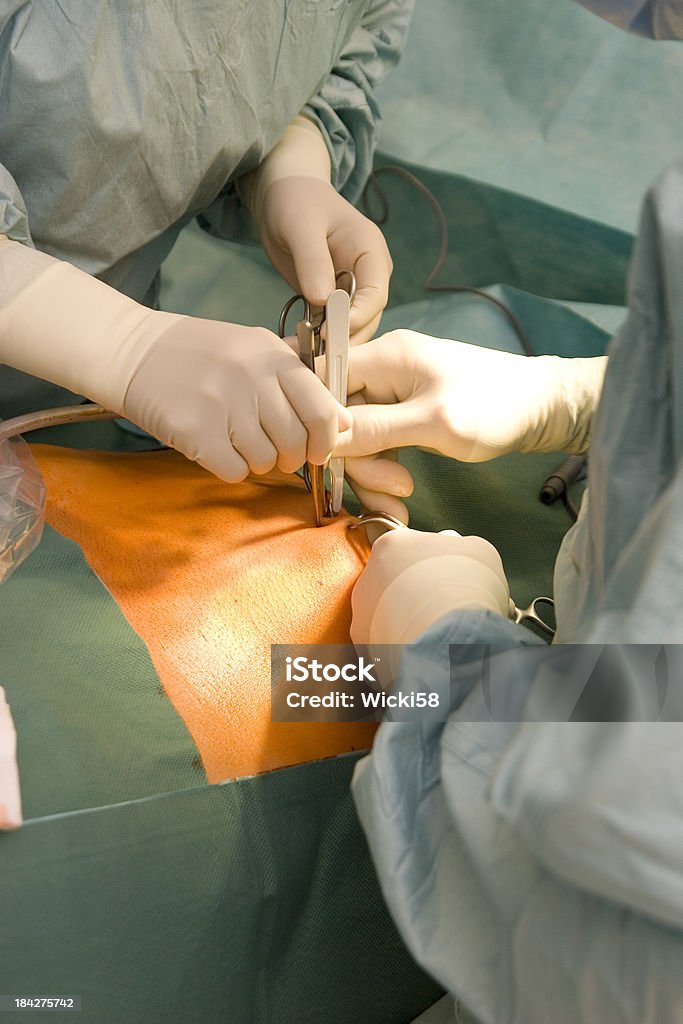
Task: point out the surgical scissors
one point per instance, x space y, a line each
530 614
518 615
313 343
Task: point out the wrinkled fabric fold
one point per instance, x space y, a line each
535 870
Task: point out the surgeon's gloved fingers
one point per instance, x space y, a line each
317 410
365 332
483 551
412 579
377 369
254 445
311 233
218 393
220 458
372 270
379 483
294 228
292 342
382 475
313 266
403 548
378 501
286 431
375 428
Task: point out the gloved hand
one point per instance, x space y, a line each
467 402
412 579
234 399
309 231
380 482
10 794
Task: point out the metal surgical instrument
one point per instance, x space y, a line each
333 343
530 614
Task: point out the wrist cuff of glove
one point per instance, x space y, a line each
67 327
300 151
20 265
568 393
583 387
428 590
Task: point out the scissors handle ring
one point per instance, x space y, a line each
530 614
286 309
308 311
352 283
384 519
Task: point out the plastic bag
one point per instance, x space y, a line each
22 504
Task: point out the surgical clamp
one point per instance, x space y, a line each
334 345
530 614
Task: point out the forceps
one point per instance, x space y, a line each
335 346
518 615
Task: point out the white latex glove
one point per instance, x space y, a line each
309 231
234 399
467 402
10 796
412 579
380 482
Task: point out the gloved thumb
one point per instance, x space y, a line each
375 428
380 475
344 421
313 266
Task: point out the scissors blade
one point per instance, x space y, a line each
336 374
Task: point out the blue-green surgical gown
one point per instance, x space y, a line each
121 120
536 869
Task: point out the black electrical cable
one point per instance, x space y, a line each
557 485
429 285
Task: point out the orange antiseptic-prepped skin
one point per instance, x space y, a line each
210 575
